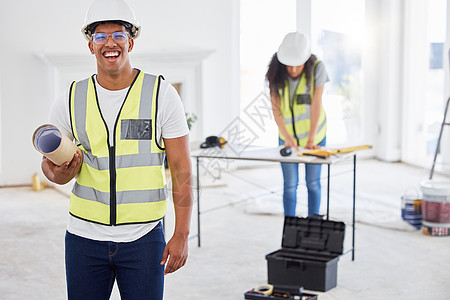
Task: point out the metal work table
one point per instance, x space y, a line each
239 152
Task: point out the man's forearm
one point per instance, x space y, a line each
182 200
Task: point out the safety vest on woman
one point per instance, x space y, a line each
297 114
125 182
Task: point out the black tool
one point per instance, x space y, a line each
286 151
318 156
213 141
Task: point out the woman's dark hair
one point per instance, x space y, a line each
277 74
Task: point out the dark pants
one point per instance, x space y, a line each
93 266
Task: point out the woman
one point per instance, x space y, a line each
296 79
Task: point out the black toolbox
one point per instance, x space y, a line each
280 295
310 252
250 295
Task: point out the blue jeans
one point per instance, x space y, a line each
93 266
312 178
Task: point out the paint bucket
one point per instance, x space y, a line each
436 207
412 208
435 229
53 144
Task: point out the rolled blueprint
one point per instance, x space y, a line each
53 144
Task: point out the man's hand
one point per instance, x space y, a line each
177 252
64 173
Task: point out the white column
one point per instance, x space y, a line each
304 17
371 67
415 63
390 61
382 60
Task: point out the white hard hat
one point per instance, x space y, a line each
110 10
295 49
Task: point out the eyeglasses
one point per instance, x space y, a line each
118 37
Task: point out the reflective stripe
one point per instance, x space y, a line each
145 109
322 125
304 116
139 160
306 134
80 112
142 196
303 135
99 163
89 193
301 117
124 161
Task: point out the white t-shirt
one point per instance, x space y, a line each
171 123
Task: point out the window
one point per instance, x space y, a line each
264 23
337 31
424 83
336 37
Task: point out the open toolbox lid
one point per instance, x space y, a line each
313 234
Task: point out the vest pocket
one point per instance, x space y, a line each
303 99
136 129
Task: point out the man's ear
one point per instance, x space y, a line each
130 44
91 47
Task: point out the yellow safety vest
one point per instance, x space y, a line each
297 117
122 183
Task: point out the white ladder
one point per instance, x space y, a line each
439 139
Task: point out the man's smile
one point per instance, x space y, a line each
111 55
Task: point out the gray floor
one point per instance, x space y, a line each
241 223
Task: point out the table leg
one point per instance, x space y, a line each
354 202
328 192
198 201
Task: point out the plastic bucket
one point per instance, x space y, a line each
435 229
436 202
412 208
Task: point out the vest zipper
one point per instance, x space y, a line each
291 106
112 156
293 126
112 186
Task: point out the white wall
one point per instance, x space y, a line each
52 27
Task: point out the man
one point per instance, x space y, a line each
124 123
